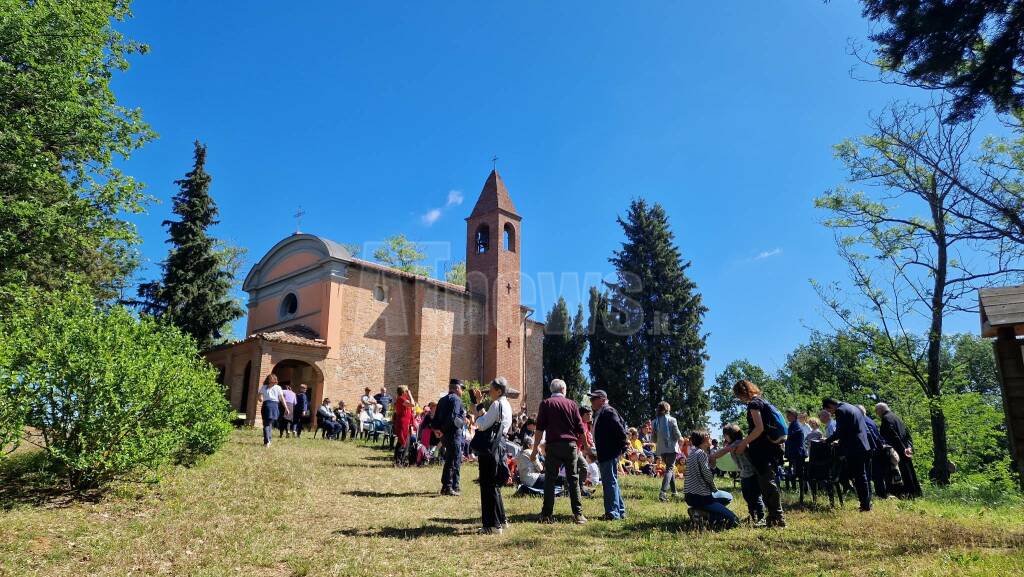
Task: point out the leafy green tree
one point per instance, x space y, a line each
565 341
972 367
61 131
198 275
662 313
109 395
971 48
903 246
401 253
721 397
13 400
456 273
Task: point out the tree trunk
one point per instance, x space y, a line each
940 469
940 466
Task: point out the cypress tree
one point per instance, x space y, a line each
564 344
194 293
658 312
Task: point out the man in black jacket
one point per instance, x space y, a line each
610 442
447 423
852 437
300 413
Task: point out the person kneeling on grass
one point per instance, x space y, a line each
748 475
699 484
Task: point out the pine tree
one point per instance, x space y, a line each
194 293
659 313
564 344
609 369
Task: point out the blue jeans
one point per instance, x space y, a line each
270 413
613 505
716 505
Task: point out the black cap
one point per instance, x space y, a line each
598 394
454 382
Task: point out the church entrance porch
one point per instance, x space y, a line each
296 355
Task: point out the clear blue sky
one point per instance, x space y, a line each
369 114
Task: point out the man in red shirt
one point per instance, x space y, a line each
558 419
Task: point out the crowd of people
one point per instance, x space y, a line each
570 448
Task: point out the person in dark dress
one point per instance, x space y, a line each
764 454
852 437
895 433
448 423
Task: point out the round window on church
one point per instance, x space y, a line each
289 305
379 294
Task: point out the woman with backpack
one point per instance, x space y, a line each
488 442
763 446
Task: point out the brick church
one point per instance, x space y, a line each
319 316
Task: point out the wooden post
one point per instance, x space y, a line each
1010 363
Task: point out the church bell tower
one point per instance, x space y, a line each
493 241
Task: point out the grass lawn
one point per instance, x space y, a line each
313 507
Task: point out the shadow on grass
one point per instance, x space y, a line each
27 480
403 532
358 493
362 465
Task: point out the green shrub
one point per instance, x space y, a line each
111 395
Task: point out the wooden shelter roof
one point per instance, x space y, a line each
1001 307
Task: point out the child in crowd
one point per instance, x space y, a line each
635 444
681 466
699 484
749 486
647 466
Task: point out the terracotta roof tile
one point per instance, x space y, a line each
494 196
294 334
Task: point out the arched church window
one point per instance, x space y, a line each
289 305
483 239
379 294
510 237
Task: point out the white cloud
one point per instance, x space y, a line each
431 216
768 254
454 198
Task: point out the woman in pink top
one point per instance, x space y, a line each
287 411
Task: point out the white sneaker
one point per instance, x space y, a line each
663 498
491 531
